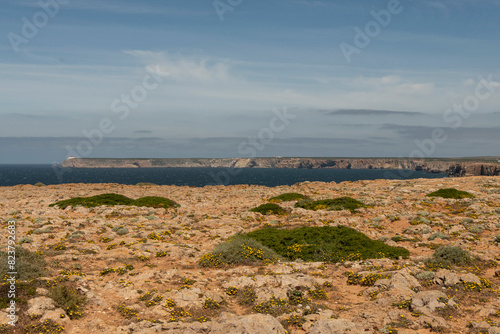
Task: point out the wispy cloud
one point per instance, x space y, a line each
122 7
316 3
371 112
184 68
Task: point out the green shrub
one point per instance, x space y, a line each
286 197
115 199
120 230
425 275
397 238
274 306
341 203
25 240
48 326
326 243
40 184
93 201
269 209
477 229
28 264
317 293
419 220
367 280
24 291
143 184
450 193
247 295
438 235
451 255
239 250
155 202
211 304
69 300
296 296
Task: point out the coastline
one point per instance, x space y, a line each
452 167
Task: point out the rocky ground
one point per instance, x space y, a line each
138 267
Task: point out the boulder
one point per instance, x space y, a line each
427 301
186 328
334 326
40 305
448 278
248 324
58 315
188 297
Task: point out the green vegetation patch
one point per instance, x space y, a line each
287 197
326 243
239 250
69 300
93 201
450 193
24 292
449 256
115 199
155 202
330 244
28 265
269 209
341 203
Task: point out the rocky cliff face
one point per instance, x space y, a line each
450 167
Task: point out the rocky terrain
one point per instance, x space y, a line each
452 167
137 270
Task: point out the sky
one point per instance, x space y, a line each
241 78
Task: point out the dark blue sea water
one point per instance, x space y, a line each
11 175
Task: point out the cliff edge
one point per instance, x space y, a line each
452 167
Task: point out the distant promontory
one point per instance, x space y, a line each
489 166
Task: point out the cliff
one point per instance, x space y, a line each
458 167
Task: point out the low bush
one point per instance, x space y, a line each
239 250
450 193
115 199
93 201
28 264
341 203
269 209
331 244
24 292
69 300
120 230
247 295
438 235
448 256
155 202
287 197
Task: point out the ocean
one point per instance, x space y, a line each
11 175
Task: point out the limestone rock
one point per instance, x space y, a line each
248 324
335 326
427 301
55 315
448 278
40 305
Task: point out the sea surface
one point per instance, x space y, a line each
11 175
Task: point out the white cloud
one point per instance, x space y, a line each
184 68
391 84
119 7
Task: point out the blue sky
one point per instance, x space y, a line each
219 83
